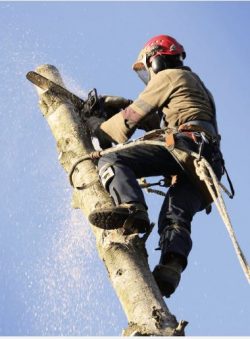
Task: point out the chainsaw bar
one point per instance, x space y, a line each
46 84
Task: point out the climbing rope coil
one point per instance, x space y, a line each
203 170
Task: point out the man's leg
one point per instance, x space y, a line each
119 173
179 207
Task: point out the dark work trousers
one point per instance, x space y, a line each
182 201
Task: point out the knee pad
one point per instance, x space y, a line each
106 174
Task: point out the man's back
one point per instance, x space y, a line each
180 94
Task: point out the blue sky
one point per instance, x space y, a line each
52 281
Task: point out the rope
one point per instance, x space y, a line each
206 173
90 156
117 148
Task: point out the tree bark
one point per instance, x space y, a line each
125 257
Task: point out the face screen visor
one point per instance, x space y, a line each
143 75
140 67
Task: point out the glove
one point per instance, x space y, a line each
113 104
94 127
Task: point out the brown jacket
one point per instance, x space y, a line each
178 92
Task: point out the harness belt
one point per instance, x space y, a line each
199 126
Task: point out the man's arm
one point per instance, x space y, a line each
122 125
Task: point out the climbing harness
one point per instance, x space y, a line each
203 169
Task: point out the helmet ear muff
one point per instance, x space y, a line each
159 63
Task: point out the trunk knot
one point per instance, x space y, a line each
157 314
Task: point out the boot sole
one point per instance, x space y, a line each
110 220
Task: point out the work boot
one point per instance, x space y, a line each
133 217
168 276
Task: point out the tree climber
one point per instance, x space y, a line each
188 111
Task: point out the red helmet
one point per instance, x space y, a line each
158 45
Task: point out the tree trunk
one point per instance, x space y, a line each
125 257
